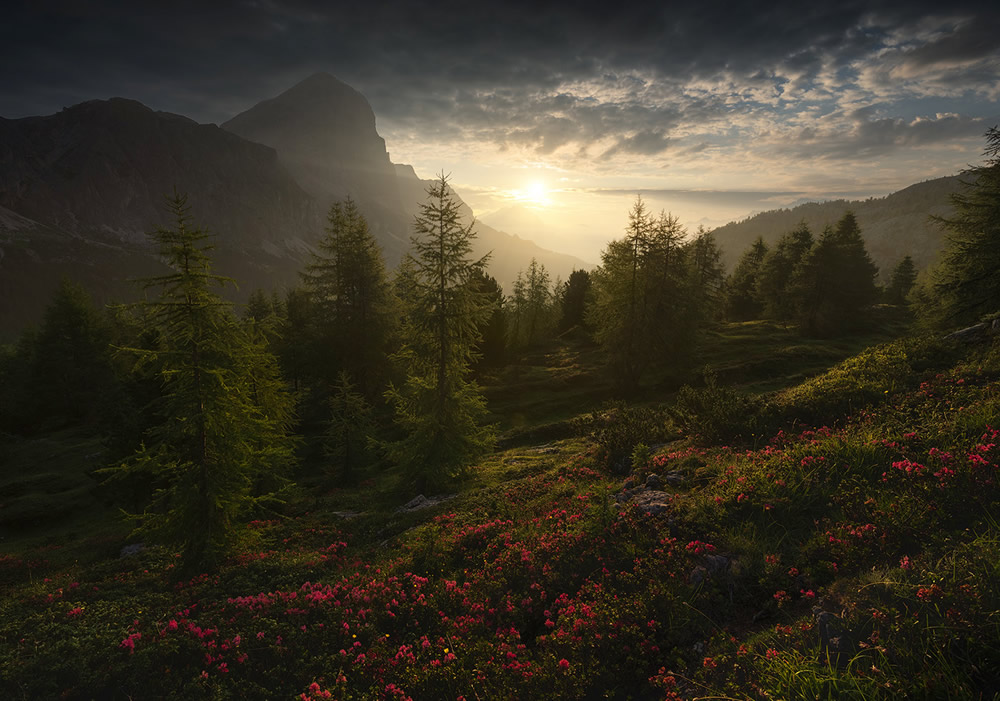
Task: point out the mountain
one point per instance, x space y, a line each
893 226
324 133
80 189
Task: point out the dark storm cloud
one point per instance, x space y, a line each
492 71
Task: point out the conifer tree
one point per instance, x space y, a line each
350 431
776 273
532 305
70 367
437 406
618 312
709 273
835 282
352 309
903 277
966 283
493 346
742 302
574 300
225 417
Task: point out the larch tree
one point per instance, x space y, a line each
776 273
902 280
742 301
351 302
440 409
574 300
224 432
966 283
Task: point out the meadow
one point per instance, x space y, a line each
827 530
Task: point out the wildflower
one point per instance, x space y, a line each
709 663
904 562
564 665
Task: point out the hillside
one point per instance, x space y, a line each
893 226
851 553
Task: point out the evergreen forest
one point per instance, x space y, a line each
655 479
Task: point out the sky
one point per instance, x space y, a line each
551 117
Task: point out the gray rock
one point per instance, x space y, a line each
971 334
836 644
698 575
652 502
653 481
421 502
716 564
133 549
673 478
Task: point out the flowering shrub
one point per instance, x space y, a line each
540 586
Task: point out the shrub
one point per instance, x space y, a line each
619 428
716 413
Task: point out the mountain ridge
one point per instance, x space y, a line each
893 226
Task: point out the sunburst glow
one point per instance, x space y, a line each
535 193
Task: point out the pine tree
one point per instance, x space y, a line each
742 302
70 370
532 306
437 406
225 417
646 305
351 301
350 431
835 282
574 300
967 281
904 276
776 273
492 349
706 257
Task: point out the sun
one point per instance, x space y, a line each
536 193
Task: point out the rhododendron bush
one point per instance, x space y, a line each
856 557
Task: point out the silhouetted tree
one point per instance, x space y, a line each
532 306
835 282
742 301
574 300
966 284
350 430
776 273
904 276
492 350
437 406
352 311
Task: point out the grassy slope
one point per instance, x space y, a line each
530 584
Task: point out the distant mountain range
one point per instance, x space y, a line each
80 189
893 226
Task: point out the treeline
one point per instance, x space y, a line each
203 408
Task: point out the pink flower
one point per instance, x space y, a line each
564 664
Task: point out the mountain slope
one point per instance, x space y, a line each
80 189
893 226
324 133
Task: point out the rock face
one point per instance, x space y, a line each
79 191
323 131
100 170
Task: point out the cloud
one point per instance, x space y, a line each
648 142
588 85
865 135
